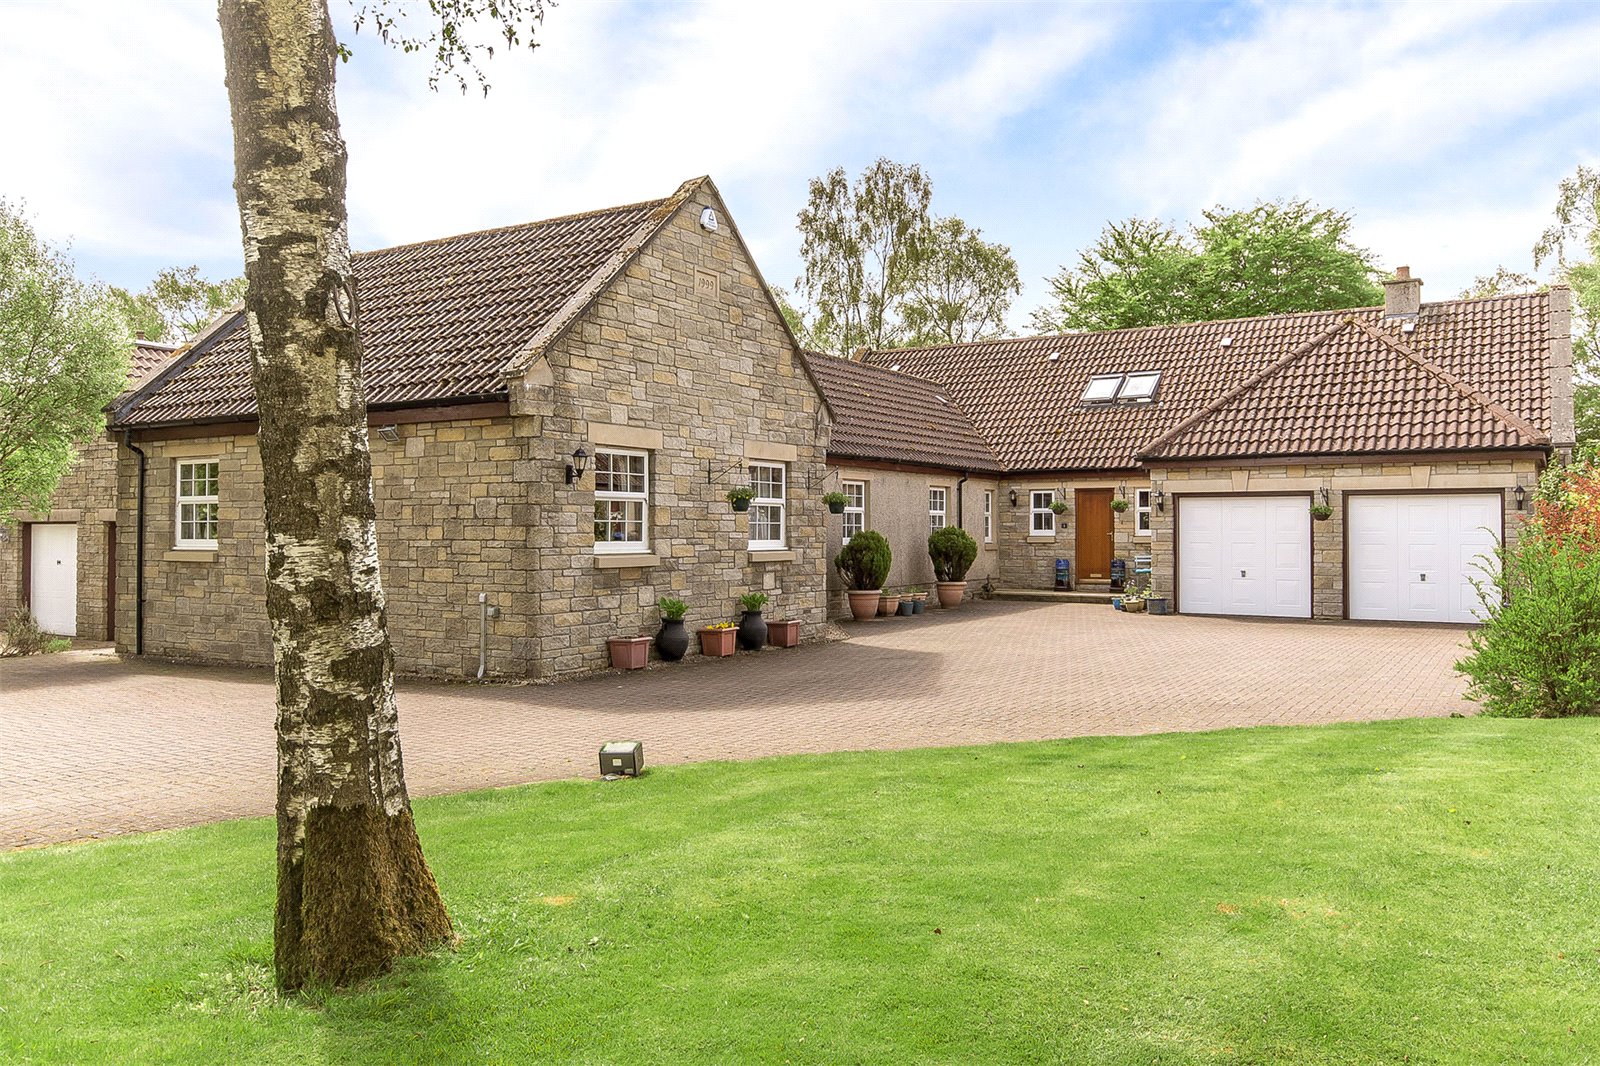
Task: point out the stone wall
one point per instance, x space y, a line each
451 524
1027 560
686 359
897 507
1327 550
86 496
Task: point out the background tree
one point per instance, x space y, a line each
1137 273
63 357
860 244
1573 243
354 891
178 304
962 289
1503 282
1275 257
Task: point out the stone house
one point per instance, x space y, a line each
556 413
1421 427
908 461
61 563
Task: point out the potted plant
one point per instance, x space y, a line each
1119 505
952 550
908 606
835 501
628 653
784 634
1133 602
672 640
1058 506
1321 512
917 596
740 496
864 566
716 639
888 603
752 630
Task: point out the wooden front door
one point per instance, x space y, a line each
1093 514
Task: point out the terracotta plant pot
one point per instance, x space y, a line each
863 603
629 653
888 604
951 592
673 640
752 631
717 643
785 634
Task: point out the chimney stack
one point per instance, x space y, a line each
138 334
1402 294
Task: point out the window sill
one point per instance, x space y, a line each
625 560
190 555
990 546
772 556
1041 536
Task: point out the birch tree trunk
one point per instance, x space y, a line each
354 891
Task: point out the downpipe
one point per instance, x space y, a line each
138 546
485 613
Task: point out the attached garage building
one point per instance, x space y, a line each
1365 474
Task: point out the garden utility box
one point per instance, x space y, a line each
622 757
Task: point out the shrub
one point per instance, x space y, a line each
24 637
952 550
753 601
864 562
1538 652
672 610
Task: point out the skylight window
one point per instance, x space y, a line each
1139 388
1102 388
1122 388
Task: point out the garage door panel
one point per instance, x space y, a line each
1412 558
1245 556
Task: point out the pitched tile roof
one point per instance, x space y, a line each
441 321
1351 390
147 357
1026 404
888 416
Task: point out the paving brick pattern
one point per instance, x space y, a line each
92 746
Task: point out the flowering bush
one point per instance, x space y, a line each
1538 653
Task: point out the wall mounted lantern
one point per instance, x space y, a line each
1161 500
389 433
1013 497
1522 498
580 463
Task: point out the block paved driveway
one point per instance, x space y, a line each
91 745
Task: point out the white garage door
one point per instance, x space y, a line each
1245 555
1413 557
53 583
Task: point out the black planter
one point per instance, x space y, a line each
907 608
673 640
741 505
836 508
917 606
752 631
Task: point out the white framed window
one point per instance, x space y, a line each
988 516
938 507
1141 513
1043 518
855 508
769 481
621 501
197 503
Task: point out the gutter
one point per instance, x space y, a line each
960 502
138 548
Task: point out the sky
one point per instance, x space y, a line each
1443 128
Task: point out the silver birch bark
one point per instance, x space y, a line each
354 891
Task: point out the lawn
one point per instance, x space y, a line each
1417 891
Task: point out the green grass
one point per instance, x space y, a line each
1418 891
